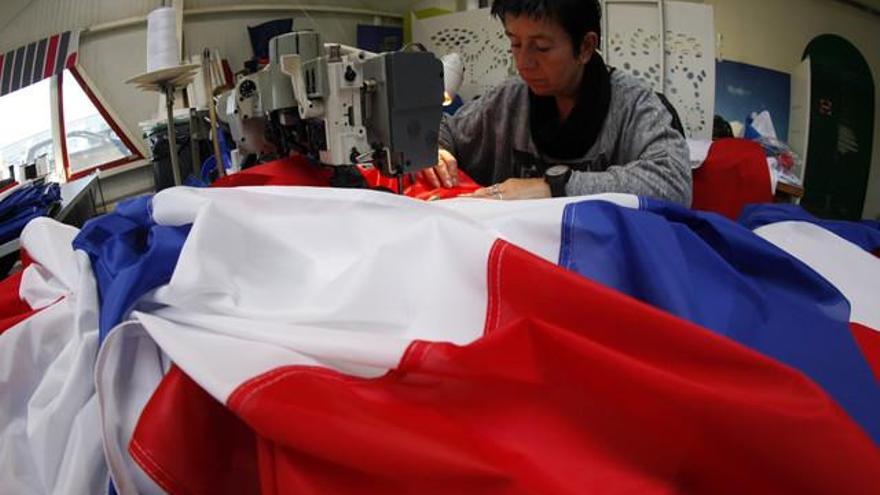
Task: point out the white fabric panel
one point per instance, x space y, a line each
128 370
328 268
326 272
534 225
49 244
283 300
854 271
49 441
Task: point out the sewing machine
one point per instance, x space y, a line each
341 106
262 109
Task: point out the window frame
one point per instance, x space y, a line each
57 91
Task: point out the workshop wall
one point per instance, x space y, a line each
774 34
99 52
23 21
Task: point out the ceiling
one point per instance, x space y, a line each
9 9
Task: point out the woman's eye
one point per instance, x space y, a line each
543 49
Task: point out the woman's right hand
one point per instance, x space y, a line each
445 173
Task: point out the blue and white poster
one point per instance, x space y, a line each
741 89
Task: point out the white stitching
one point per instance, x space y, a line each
155 470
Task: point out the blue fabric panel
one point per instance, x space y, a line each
130 256
713 272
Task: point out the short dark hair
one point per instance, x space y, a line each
577 17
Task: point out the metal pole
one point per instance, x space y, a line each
212 113
172 132
194 155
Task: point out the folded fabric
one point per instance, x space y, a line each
23 205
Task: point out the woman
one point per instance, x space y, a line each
608 130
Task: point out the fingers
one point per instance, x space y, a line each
445 173
447 168
431 176
513 189
494 191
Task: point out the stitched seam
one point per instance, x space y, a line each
491 301
150 465
498 284
327 374
563 237
568 218
279 374
152 468
250 387
413 353
571 233
495 289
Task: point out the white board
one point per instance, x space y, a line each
633 33
478 38
690 65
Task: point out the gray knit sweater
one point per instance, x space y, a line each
636 152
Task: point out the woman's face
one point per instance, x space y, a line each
544 56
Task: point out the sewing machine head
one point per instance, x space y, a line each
342 106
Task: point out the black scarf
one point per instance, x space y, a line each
573 138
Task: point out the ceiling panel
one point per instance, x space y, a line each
9 9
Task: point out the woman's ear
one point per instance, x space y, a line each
589 45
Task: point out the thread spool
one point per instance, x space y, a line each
162 49
453 74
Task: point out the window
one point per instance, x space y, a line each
31 117
90 140
26 127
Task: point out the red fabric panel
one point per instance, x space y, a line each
290 171
571 391
421 188
869 342
296 171
574 389
12 308
51 53
734 174
25 258
190 443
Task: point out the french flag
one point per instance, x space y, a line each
49 422
351 341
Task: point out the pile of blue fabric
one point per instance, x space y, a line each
24 204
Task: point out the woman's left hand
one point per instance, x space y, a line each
514 189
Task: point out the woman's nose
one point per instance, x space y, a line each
525 62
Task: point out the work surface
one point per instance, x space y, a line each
364 342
